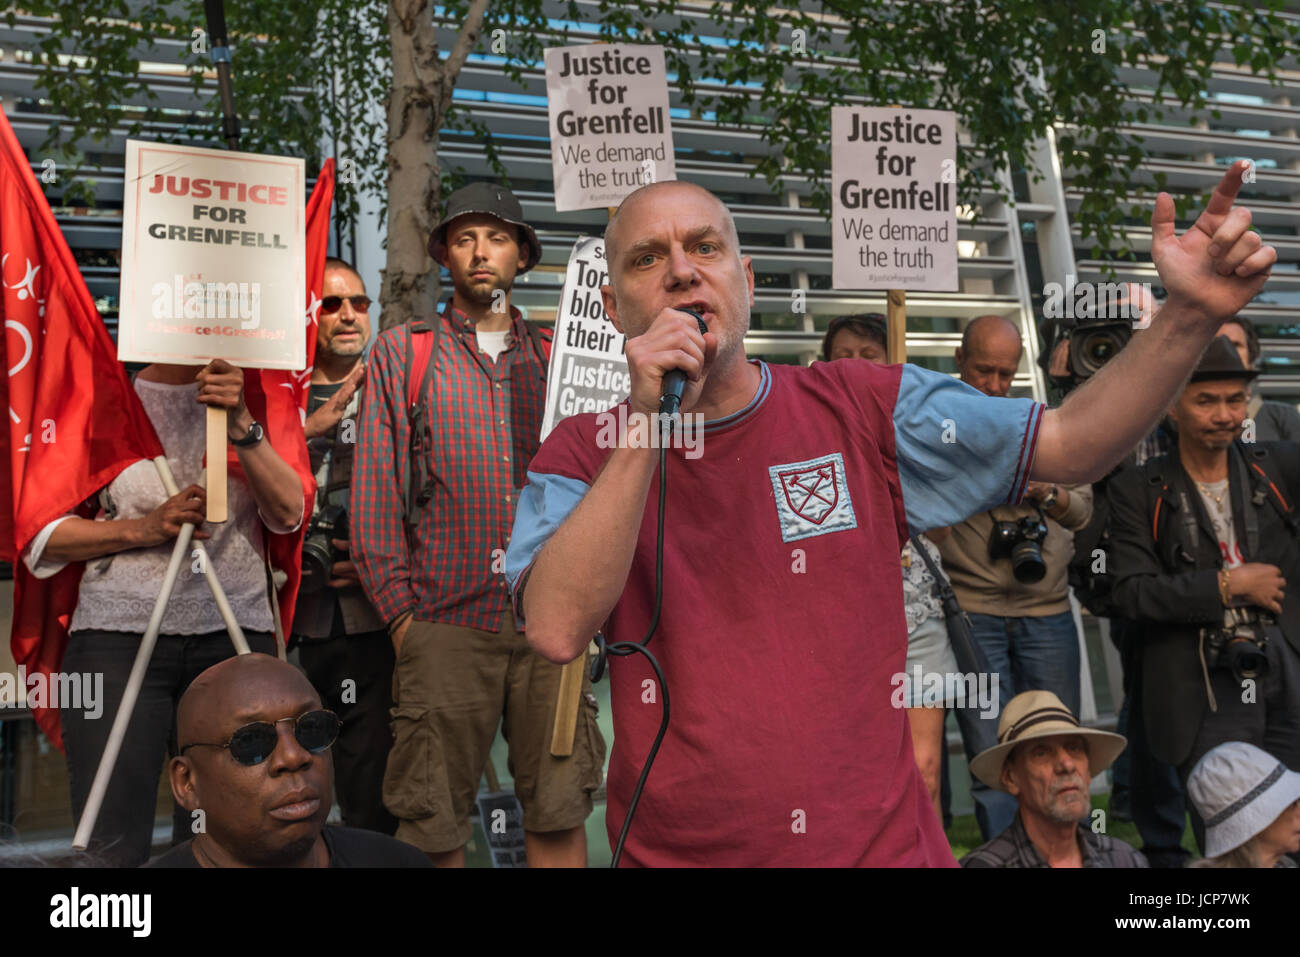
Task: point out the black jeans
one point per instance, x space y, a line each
123 832
1156 799
353 674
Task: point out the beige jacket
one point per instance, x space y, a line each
988 587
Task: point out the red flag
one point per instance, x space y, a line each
75 422
278 399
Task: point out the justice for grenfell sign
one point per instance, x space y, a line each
893 202
610 133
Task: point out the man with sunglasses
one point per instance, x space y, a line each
255 771
434 566
341 640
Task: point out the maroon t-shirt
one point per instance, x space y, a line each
782 626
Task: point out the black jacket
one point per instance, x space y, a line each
1173 594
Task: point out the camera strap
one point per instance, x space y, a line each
417 464
970 658
1241 477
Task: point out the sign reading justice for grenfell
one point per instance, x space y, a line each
213 258
893 202
610 133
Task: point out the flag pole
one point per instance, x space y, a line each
89 815
214 583
108 761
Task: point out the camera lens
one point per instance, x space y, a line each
1027 562
316 561
1246 659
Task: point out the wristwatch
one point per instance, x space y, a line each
1049 502
255 434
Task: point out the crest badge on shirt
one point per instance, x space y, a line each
812 497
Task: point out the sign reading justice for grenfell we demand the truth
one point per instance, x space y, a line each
610 133
893 202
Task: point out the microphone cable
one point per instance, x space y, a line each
668 417
625 648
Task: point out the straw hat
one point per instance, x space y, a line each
1239 790
1040 714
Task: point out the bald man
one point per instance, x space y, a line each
256 774
780 635
989 354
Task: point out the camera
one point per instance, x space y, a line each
1241 646
318 552
1093 343
1021 540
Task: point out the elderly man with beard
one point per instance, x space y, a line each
255 772
1045 759
432 562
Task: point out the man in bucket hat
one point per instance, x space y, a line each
1045 759
431 523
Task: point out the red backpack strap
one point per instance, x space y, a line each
541 337
419 350
417 464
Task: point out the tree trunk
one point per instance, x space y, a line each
410 278
417 104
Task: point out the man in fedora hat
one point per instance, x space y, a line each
1203 547
1045 759
431 522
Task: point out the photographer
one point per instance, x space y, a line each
1144 789
342 642
1008 568
1203 543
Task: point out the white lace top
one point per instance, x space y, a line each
122 597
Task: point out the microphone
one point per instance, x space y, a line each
675 381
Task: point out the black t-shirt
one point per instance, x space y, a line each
347 846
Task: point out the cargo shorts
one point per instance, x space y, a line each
452 687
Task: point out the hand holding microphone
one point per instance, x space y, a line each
667 360
675 381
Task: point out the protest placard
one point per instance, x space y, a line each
893 199
588 369
610 132
213 258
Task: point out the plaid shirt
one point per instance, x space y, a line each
1013 848
485 419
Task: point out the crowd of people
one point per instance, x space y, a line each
455 564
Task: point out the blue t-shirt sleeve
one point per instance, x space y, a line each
959 451
544 504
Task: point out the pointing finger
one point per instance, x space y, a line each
1225 194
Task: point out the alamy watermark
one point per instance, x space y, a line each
208 300
620 428
1099 300
82 691
934 689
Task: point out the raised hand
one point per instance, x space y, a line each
1218 266
331 411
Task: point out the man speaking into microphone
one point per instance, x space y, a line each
782 622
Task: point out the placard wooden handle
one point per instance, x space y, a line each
217 510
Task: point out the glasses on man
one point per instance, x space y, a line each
254 743
332 304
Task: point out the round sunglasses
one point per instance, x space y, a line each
253 743
332 304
